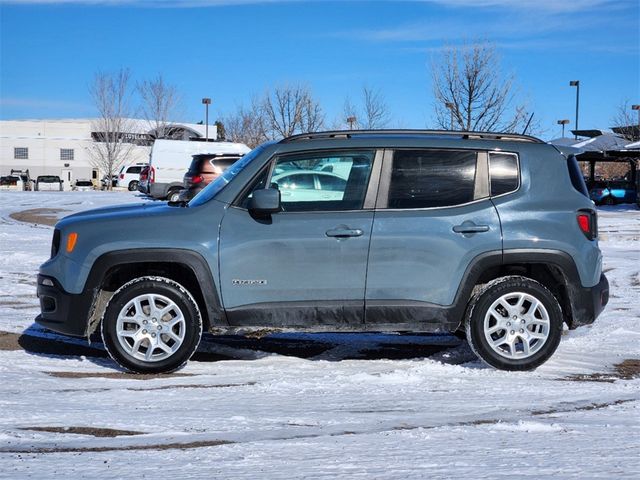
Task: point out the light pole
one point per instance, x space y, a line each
563 123
637 108
450 106
206 102
351 120
576 83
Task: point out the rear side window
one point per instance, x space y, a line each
431 178
577 180
503 172
134 169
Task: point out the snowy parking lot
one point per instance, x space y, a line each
313 406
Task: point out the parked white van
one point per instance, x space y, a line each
170 160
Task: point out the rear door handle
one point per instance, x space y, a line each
343 232
470 227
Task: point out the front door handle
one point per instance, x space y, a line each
470 227
343 232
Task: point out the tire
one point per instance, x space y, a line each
133 185
174 195
608 200
524 334
149 343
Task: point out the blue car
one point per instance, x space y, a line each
612 193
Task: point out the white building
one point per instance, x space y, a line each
63 147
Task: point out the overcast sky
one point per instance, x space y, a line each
233 50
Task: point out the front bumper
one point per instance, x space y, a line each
588 303
62 312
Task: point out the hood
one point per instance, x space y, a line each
116 211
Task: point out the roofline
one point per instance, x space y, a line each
335 134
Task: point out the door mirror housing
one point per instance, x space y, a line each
265 201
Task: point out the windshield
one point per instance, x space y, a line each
223 180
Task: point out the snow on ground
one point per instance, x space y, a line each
332 415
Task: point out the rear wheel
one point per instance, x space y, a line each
514 323
151 325
133 185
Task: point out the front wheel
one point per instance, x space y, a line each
151 325
514 323
608 200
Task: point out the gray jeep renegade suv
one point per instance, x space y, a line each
420 231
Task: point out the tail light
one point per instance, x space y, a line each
598 191
152 175
122 176
588 223
197 179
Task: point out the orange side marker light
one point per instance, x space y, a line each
71 241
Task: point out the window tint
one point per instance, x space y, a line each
305 185
503 171
431 178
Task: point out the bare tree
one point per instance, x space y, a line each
375 109
289 110
471 93
626 121
159 103
112 130
247 125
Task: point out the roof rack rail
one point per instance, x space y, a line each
434 133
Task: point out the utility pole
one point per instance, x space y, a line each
576 83
637 108
563 123
450 106
206 102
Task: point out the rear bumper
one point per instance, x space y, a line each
62 312
588 303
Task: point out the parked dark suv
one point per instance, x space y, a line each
492 234
204 169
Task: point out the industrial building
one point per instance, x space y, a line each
63 147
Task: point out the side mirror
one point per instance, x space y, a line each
265 201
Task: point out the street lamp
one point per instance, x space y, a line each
563 123
450 106
206 102
576 83
637 107
351 120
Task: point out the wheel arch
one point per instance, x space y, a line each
186 267
554 269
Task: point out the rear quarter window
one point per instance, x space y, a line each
503 173
577 180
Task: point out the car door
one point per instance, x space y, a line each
433 217
306 265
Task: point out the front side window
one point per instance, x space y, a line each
431 178
503 172
21 153
306 185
